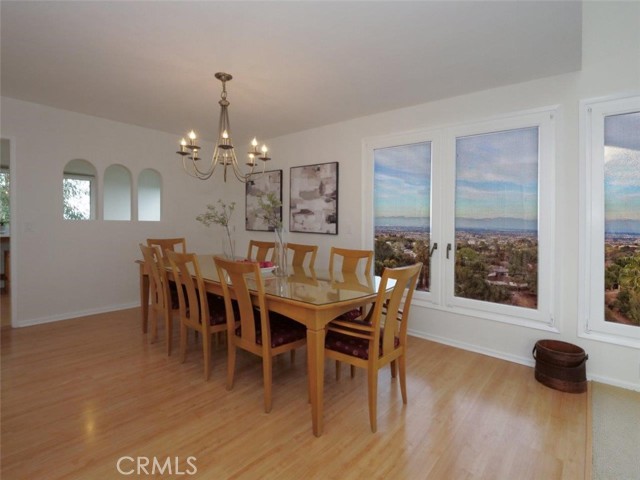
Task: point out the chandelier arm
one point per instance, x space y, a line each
194 172
206 174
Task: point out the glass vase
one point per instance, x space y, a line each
280 252
229 243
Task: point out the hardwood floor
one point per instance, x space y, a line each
80 394
5 310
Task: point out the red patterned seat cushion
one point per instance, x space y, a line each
356 347
283 329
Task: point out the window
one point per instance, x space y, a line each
78 191
474 203
402 213
610 240
405 205
149 195
117 193
496 217
5 204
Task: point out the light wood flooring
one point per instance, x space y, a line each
80 394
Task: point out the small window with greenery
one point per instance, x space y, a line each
5 206
79 190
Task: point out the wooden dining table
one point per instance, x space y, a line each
312 297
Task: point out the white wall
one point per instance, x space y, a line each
611 65
64 269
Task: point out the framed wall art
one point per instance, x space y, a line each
270 182
313 202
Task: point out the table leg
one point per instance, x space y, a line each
144 297
315 349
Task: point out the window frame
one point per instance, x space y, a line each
591 269
434 296
542 316
443 139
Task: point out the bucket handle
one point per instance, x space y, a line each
586 357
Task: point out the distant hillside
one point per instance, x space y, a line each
501 223
623 226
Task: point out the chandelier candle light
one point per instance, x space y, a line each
224 153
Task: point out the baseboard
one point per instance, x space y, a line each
70 315
614 382
516 359
529 362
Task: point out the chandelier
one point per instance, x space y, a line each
224 154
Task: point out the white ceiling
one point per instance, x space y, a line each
296 65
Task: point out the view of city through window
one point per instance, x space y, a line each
497 217
402 218
496 214
622 218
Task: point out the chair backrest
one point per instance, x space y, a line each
300 252
157 274
237 275
351 259
396 319
262 250
194 308
169 244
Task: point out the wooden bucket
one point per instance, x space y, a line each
561 366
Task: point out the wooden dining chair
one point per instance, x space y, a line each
301 253
199 311
261 250
163 300
261 332
173 244
351 263
381 337
351 260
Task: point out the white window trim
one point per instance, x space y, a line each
591 323
443 215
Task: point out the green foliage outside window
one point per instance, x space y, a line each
622 284
5 210
76 196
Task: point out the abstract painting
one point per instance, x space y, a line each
270 182
314 199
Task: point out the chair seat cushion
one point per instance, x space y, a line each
217 312
350 315
283 329
354 346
